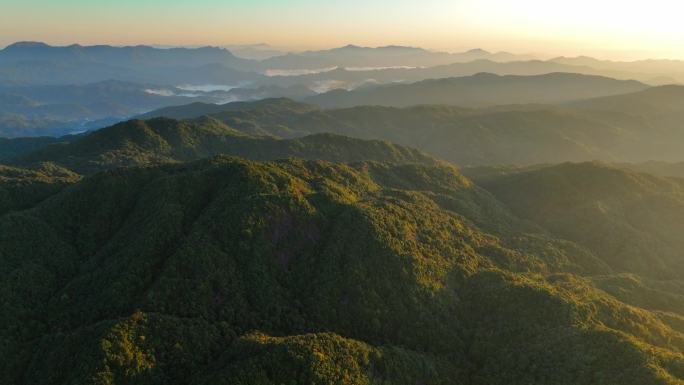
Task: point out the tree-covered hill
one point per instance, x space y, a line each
376 265
464 136
632 221
23 188
162 140
228 271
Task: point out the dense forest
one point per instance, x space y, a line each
139 254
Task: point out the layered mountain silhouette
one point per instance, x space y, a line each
64 109
60 110
34 63
634 127
482 90
354 77
663 71
115 83
388 56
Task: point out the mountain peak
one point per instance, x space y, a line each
27 45
486 75
351 46
478 51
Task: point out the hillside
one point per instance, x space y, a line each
23 188
240 272
633 221
655 100
163 140
480 90
503 135
636 127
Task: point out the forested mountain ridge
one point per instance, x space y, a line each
163 140
43 166
22 188
240 272
631 220
135 254
634 127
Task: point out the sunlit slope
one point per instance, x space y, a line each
234 271
635 127
140 143
632 221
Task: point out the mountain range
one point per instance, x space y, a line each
66 109
57 110
138 79
32 63
162 140
36 63
481 90
378 57
634 127
353 216
386 266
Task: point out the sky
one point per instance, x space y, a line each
605 28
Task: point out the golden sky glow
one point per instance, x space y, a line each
607 28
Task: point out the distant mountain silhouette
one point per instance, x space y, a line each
58 110
127 56
196 110
356 56
482 89
254 51
38 64
658 71
384 75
